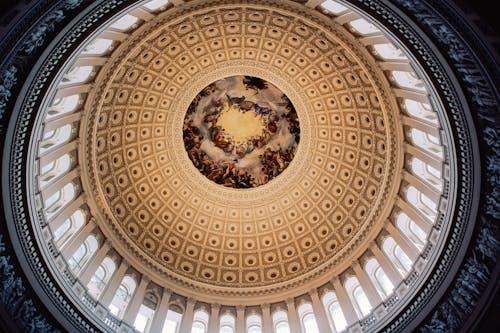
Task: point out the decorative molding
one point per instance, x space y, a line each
469 285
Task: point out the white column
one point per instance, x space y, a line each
310 4
409 94
77 240
293 316
401 65
367 285
90 61
89 270
430 191
61 120
406 245
375 39
72 90
434 161
319 312
214 321
267 322
113 35
414 214
240 319
65 213
161 312
187 316
346 18
54 154
388 267
142 14
60 182
136 301
422 125
345 302
112 286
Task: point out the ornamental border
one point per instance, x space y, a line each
472 79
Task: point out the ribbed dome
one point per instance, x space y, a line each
308 223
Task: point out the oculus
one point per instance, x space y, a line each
241 131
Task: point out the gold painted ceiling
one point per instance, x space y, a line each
308 223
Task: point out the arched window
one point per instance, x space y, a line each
307 318
122 297
254 324
379 278
200 322
54 138
69 228
411 230
124 23
408 80
227 323
63 105
363 27
358 297
98 46
54 169
280 322
146 312
336 316
388 51
77 75
63 229
422 111
173 320
427 173
101 277
155 4
421 202
397 255
333 7
59 199
83 254
426 141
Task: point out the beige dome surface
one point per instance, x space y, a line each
307 224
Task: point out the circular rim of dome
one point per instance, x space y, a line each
152 34
23 237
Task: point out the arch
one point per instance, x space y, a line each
101 277
280 322
55 138
122 296
336 317
147 309
227 323
378 277
397 255
69 228
426 172
254 323
358 297
59 199
411 230
54 169
307 318
173 319
200 321
84 252
422 202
